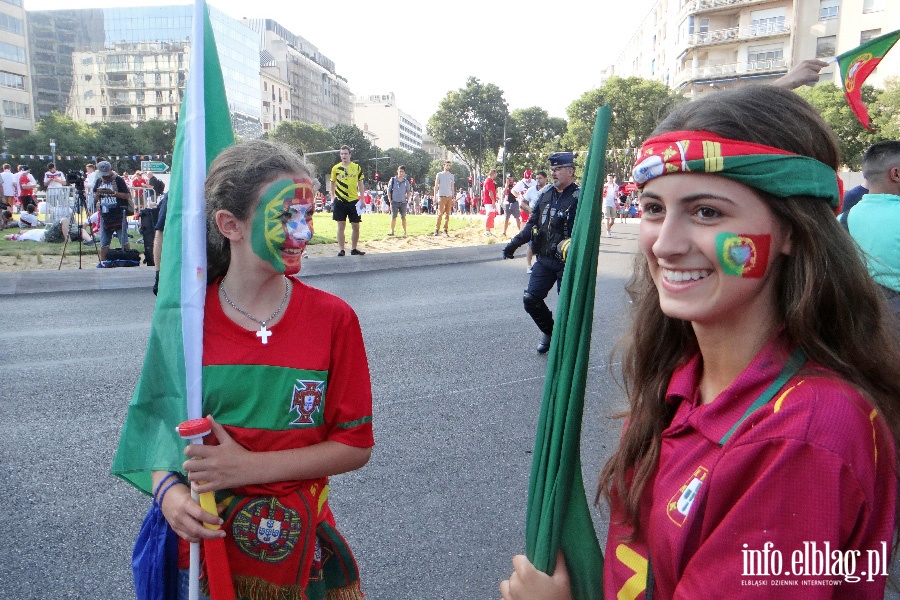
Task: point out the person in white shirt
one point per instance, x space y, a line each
530 199
53 178
9 186
610 202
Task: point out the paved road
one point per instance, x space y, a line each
437 513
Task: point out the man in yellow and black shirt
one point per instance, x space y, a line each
345 190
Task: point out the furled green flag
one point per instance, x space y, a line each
169 390
558 514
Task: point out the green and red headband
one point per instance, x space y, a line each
771 170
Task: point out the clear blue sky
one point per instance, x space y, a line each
543 54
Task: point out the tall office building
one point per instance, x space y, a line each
695 46
392 128
130 64
318 94
15 78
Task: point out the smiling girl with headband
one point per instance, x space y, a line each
758 457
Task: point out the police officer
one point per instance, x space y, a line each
548 227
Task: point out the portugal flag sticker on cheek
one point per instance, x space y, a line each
743 254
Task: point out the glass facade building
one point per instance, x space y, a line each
130 64
16 112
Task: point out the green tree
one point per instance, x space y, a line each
155 137
309 138
535 135
886 115
853 138
469 122
638 105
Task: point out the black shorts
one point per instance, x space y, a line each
345 211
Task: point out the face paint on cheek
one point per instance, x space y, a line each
269 235
743 254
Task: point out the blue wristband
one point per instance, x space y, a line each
162 494
162 481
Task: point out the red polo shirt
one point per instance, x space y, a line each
814 466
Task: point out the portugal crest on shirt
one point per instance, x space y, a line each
680 505
306 401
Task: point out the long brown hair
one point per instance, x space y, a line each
234 183
825 298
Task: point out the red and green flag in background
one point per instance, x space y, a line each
856 65
558 516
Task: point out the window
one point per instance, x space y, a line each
14 2
11 80
15 109
12 52
868 35
825 46
765 54
828 9
873 6
10 23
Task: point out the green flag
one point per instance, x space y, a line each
169 390
558 513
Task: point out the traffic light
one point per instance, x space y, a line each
377 176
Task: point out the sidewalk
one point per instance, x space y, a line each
74 280
91 278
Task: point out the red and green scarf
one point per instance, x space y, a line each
771 170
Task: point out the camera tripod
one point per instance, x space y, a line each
79 209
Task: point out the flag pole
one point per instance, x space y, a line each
193 263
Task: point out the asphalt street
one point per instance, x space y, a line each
437 513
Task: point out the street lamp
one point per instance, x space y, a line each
52 150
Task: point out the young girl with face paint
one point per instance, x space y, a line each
281 379
759 451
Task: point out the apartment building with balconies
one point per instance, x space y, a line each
130 65
16 110
318 94
276 93
697 46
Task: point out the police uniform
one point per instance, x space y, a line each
548 226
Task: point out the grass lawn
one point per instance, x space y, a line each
373 227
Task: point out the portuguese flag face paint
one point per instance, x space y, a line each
743 254
282 223
856 65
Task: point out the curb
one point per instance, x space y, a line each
92 279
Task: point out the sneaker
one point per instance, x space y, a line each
447 233
528 270
391 233
341 253
356 252
488 234
436 233
544 346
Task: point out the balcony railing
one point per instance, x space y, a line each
728 70
702 5
737 34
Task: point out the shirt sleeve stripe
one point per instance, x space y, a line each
356 423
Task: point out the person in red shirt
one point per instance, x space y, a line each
286 382
489 201
759 455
